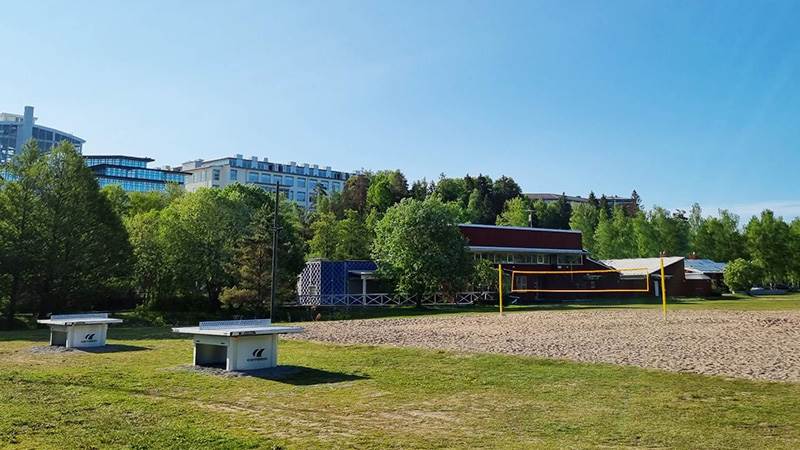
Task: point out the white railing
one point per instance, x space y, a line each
461 298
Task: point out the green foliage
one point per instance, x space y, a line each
584 218
768 241
325 236
740 275
419 247
479 208
548 215
354 195
718 238
484 276
62 241
614 237
516 212
379 194
251 266
141 202
354 237
118 198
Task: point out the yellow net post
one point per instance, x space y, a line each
663 291
500 286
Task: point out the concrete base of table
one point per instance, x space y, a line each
236 345
79 330
236 352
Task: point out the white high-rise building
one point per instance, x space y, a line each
298 181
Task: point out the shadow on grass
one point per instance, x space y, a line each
114 348
287 374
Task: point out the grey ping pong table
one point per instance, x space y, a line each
79 330
236 344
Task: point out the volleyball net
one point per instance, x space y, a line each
530 281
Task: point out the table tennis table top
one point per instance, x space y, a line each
252 327
79 319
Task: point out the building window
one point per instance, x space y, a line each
337 187
265 178
276 179
301 197
215 174
234 174
252 177
542 259
301 182
569 260
288 181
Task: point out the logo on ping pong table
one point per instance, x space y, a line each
258 355
89 338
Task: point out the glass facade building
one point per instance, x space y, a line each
299 182
16 130
132 173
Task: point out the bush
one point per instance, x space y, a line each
740 275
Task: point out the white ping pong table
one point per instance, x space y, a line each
79 330
236 344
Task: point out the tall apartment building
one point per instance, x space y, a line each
300 181
16 130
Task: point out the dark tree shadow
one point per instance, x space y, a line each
288 374
113 348
303 376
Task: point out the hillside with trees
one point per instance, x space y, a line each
67 245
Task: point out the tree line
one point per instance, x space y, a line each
67 245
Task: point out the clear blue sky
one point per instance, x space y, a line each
683 101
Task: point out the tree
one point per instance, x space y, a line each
672 231
326 237
548 215
419 247
503 190
118 198
201 230
451 190
516 212
603 206
479 208
379 195
614 236
718 238
584 219
648 243
740 275
420 189
354 195
251 266
140 202
564 212
354 238
768 242
21 220
86 248
794 249
593 200
636 204
152 277
398 185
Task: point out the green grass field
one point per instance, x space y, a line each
375 397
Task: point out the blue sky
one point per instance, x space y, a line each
683 101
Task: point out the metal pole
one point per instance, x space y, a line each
274 252
500 286
663 290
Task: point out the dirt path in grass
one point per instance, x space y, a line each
755 345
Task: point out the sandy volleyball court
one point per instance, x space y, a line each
755 345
